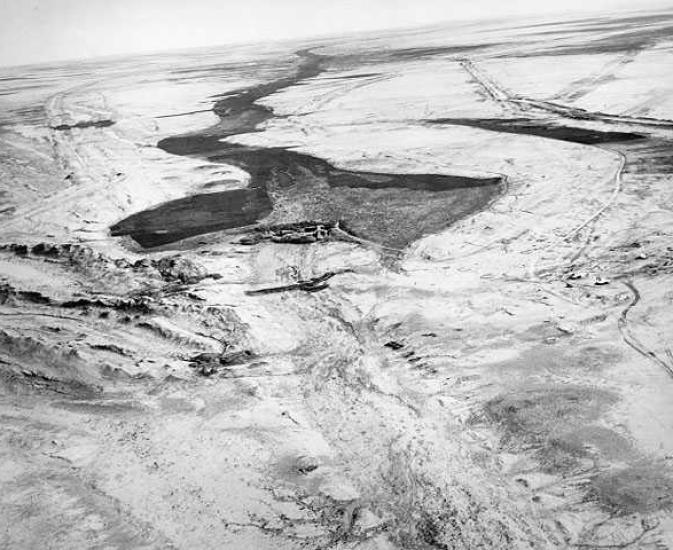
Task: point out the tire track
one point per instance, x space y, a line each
580 88
630 339
608 203
501 95
505 98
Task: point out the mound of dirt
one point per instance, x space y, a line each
177 268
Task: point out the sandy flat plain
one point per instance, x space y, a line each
468 346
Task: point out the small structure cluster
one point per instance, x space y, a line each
294 233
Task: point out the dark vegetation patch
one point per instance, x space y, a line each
391 216
560 455
424 182
642 488
564 452
377 206
599 440
287 186
194 215
652 157
539 128
529 417
84 124
595 358
555 424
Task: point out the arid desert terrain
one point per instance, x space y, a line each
409 290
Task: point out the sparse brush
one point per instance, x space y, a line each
529 417
645 488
